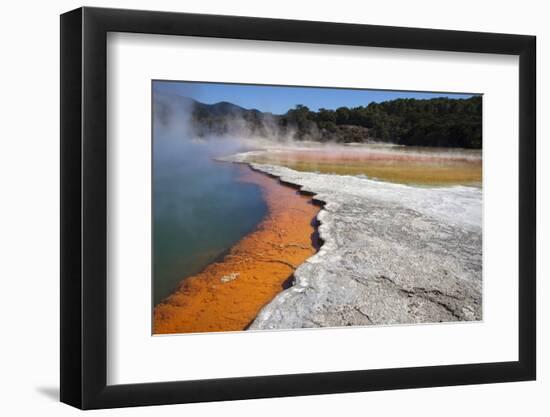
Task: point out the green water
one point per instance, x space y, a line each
200 208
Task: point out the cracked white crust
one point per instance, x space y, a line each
392 254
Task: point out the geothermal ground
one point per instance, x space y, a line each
391 254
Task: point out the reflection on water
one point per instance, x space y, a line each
407 165
200 207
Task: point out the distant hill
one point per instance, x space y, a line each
221 109
440 122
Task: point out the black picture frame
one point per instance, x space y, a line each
84 207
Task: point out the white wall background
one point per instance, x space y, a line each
29 237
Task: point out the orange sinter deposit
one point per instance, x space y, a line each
227 295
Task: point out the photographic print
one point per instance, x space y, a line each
286 207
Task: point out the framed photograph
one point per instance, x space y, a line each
257 208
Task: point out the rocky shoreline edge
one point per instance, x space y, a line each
391 254
228 293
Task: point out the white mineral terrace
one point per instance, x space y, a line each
391 254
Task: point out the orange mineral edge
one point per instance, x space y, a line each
227 295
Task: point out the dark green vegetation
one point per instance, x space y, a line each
435 122
440 122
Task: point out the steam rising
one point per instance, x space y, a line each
232 132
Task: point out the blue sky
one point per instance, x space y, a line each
278 100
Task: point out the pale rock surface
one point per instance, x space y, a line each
391 254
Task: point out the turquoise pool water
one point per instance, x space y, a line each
200 208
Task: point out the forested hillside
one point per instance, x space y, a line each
441 122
